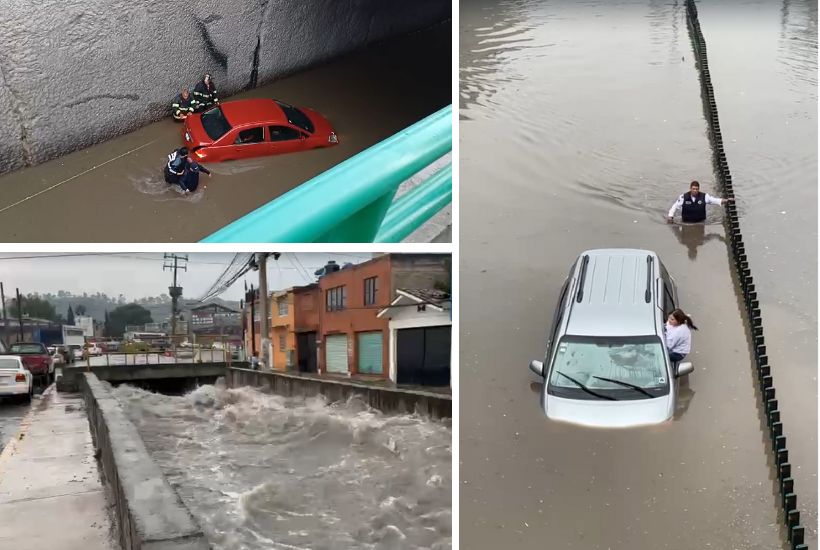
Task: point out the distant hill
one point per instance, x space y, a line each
97 304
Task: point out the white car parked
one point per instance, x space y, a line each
15 378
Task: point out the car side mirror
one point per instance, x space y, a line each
684 369
537 367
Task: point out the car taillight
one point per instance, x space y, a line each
20 377
199 154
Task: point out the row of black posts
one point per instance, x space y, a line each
788 498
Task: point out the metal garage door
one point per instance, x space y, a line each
423 356
370 352
336 353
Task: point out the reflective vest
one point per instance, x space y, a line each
205 94
693 209
181 104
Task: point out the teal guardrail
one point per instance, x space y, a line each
411 210
349 202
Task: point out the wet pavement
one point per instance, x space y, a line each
580 124
12 412
50 484
114 191
263 471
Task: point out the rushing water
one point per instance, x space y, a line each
262 471
580 123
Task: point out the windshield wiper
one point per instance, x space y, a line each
627 384
586 389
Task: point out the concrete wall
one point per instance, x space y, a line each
150 515
386 399
77 72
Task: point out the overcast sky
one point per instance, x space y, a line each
138 275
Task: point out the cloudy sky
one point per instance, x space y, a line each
138 275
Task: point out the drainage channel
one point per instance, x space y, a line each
788 496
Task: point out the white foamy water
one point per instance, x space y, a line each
266 471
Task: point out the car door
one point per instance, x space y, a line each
285 139
249 142
556 320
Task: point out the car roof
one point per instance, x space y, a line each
613 302
253 111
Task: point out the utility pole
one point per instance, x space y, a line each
5 319
175 262
264 330
19 315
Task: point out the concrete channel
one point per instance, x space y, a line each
135 505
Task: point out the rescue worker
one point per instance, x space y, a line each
692 205
190 179
183 105
175 168
205 93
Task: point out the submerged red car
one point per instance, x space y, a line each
255 127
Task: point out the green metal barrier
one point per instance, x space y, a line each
349 202
417 206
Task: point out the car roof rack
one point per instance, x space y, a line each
648 294
582 278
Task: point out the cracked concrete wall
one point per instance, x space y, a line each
77 72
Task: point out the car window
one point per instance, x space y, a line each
668 301
604 365
296 117
8 363
283 133
556 319
252 135
28 348
215 123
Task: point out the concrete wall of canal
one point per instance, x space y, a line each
150 515
385 399
75 73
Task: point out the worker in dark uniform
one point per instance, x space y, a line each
692 205
183 105
190 179
205 93
175 168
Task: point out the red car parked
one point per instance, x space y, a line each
255 127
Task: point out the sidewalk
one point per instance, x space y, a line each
50 490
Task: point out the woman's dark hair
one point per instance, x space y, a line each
682 318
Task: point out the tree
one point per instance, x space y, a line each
129 314
107 326
34 306
70 316
80 310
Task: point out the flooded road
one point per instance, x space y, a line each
266 472
12 412
114 191
581 123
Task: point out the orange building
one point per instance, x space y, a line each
307 320
283 337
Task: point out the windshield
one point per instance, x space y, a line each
609 368
296 117
215 123
27 348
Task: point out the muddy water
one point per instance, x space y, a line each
580 124
765 78
114 191
266 472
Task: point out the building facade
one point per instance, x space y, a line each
283 336
211 323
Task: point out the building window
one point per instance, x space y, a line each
337 298
371 286
282 343
283 307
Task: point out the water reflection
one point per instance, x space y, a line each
694 235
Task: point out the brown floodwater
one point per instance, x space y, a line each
115 192
580 124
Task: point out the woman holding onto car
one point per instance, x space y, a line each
679 327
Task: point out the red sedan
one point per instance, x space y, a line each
255 127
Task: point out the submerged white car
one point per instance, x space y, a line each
606 363
15 378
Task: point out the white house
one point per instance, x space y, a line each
420 324
85 323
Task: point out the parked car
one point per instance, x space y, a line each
606 363
15 379
255 127
36 359
94 350
56 356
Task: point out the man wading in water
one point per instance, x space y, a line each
692 205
